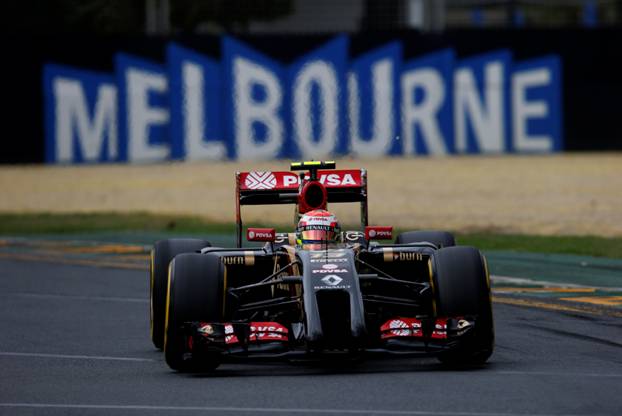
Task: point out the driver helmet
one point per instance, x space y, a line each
316 229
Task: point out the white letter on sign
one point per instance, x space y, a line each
523 110
193 87
324 77
72 115
289 180
487 117
382 82
141 116
426 113
248 111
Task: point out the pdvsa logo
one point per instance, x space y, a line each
260 180
261 234
322 271
329 179
270 180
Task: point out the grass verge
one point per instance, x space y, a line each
578 245
30 224
24 224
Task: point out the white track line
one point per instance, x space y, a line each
267 410
522 281
72 357
136 359
556 374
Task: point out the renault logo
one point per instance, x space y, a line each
332 279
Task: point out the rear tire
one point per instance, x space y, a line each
462 288
438 238
195 293
161 255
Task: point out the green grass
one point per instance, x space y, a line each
25 224
579 245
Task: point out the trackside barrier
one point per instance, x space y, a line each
247 106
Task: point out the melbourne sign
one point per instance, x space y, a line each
248 106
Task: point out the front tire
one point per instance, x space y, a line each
438 238
462 288
161 255
196 288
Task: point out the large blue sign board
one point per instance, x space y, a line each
248 106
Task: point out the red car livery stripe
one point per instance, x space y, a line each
283 180
259 332
401 327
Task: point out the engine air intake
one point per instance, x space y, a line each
313 196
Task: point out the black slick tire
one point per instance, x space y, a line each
196 286
162 253
438 238
462 288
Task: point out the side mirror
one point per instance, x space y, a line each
261 234
378 233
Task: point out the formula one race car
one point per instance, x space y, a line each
318 291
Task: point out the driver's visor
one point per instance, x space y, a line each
317 236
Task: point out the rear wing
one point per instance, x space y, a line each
283 187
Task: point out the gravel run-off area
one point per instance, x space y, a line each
565 194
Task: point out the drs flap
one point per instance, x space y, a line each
281 187
289 181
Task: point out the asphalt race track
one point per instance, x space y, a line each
74 340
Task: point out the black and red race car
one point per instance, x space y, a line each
420 294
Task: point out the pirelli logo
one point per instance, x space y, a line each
247 258
390 256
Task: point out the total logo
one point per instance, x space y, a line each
323 260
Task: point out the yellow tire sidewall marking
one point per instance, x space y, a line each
151 282
431 277
168 302
224 290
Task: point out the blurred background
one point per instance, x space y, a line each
169 17
585 34
124 122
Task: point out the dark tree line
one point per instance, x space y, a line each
129 16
